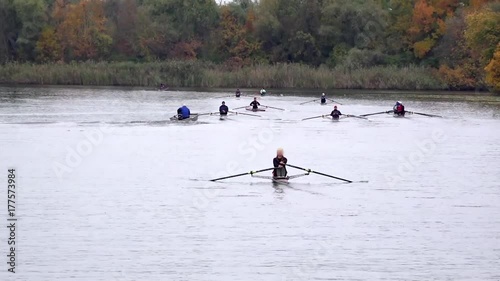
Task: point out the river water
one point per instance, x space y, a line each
109 189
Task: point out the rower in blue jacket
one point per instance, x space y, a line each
223 109
183 112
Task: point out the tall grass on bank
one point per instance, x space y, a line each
203 74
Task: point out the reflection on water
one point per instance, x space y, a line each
110 189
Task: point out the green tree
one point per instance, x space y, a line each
32 15
8 31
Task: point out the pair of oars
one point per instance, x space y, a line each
234 112
265 106
269 169
318 100
327 115
409 112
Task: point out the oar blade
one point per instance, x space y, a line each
425 114
370 114
330 176
307 102
319 173
239 107
228 177
309 118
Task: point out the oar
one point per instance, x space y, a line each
201 114
355 116
243 174
307 102
335 101
311 171
241 113
424 114
313 117
272 107
382 112
240 107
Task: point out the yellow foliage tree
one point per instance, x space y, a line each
493 71
48 47
483 33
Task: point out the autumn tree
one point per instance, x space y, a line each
48 47
493 71
235 41
83 30
482 33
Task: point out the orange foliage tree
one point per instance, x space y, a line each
236 42
493 71
428 24
82 29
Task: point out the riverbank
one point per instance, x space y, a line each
207 75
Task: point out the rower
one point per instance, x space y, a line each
263 92
323 98
399 109
223 109
279 164
183 112
335 113
255 104
163 86
238 93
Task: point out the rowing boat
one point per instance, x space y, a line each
249 108
223 117
193 117
281 176
279 180
398 115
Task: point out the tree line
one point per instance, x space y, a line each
458 39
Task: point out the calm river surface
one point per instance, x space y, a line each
109 189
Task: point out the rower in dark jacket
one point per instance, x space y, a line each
323 98
279 164
255 104
399 109
238 93
335 113
223 109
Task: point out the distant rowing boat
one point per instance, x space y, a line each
193 117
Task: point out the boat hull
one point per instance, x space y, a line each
249 108
222 117
398 115
281 180
193 117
